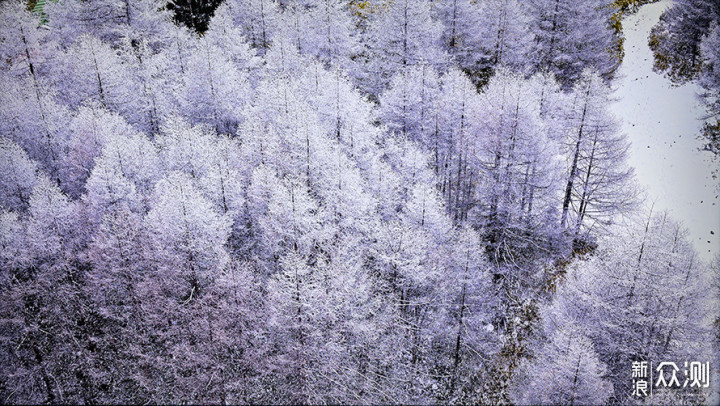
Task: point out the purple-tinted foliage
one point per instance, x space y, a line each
323 201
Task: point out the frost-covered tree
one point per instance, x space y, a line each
598 181
40 300
571 36
18 174
211 161
409 107
257 19
299 325
185 147
153 75
677 37
409 272
484 35
36 122
456 134
108 189
466 326
186 236
352 334
123 176
461 25
27 49
640 308
287 216
50 229
12 241
73 18
107 20
349 120
214 89
566 370
518 163
400 35
116 255
222 182
323 29
89 131
710 81
179 50
92 70
505 35
232 40
335 42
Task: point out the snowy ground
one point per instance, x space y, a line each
662 122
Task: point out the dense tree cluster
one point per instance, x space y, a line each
325 201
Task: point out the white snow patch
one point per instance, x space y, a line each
662 122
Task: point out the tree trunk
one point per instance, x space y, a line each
573 167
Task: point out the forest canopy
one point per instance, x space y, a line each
331 201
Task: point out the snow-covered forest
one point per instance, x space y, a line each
340 201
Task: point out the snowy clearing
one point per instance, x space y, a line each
662 122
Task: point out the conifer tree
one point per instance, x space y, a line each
403 35
571 36
676 39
